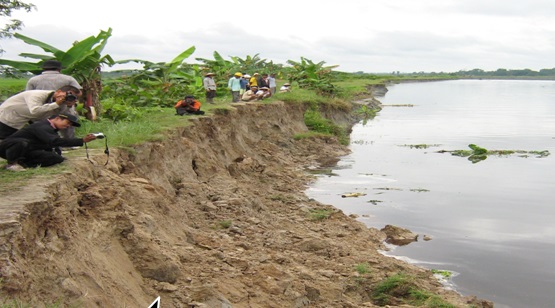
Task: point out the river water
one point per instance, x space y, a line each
492 221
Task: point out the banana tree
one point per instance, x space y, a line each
158 83
221 67
312 75
83 61
250 64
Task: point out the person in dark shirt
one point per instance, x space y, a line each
34 145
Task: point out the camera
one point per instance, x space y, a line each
70 97
99 135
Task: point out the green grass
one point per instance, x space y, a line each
401 288
320 214
362 268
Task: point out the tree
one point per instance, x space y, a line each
161 83
83 61
7 7
312 75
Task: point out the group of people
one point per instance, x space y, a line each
244 87
36 123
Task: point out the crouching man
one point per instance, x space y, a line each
189 105
34 145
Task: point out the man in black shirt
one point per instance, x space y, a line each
34 145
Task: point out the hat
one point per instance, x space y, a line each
210 74
50 64
238 74
264 88
255 74
247 76
73 119
286 84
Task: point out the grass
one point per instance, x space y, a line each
401 289
362 268
320 214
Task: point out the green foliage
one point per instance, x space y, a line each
158 84
7 7
477 154
363 268
443 273
401 289
315 122
320 214
225 224
313 75
10 87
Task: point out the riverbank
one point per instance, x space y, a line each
214 215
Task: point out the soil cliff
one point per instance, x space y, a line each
212 216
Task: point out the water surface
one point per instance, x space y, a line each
491 222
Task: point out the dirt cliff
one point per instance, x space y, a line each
212 216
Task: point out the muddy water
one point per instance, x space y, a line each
492 223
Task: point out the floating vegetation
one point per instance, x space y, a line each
419 190
477 154
400 105
355 195
374 202
442 273
372 174
388 188
420 146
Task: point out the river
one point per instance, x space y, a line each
491 221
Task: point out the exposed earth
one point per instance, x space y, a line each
214 215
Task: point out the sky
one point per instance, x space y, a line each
373 36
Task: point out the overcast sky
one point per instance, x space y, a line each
357 35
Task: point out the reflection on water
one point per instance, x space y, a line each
489 221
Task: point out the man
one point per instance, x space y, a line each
285 88
34 105
234 84
34 145
51 78
263 93
253 81
250 95
272 83
263 82
188 106
210 87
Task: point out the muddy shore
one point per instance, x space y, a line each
213 216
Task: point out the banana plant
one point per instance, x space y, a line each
83 61
221 67
159 83
312 75
250 64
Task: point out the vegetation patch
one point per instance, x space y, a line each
442 273
320 214
401 289
420 146
419 190
477 154
362 268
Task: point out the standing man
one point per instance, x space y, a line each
51 78
210 87
32 106
263 82
272 83
33 145
234 84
